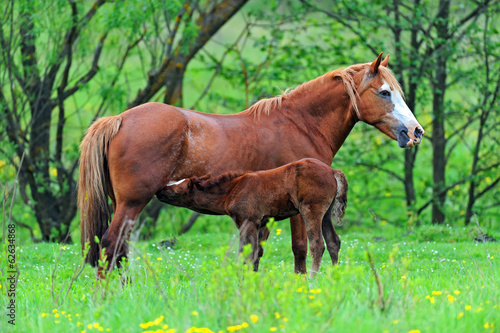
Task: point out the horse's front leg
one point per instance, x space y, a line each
299 243
263 236
249 235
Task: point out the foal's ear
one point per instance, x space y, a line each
196 181
385 62
374 66
205 177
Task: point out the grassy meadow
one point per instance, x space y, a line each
431 279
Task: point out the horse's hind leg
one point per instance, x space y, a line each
312 219
299 243
116 237
332 239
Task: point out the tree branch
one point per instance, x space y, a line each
392 173
208 24
91 73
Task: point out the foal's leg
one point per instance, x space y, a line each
299 243
312 218
263 236
249 235
332 239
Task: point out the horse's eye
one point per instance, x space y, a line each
385 93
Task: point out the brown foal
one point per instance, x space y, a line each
307 187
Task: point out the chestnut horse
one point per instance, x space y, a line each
132 156
307 187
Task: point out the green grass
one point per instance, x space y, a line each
200 284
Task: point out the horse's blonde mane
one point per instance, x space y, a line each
345 74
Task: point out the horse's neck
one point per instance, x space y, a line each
214 197
326 107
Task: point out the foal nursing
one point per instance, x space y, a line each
307 187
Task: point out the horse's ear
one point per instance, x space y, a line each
374 66
205 177
197 181
197 184
385 62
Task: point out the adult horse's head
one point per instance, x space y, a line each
380 103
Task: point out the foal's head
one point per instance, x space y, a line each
380 103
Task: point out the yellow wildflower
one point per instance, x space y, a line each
468 307
277 315
487 325
457 292
158 320
44 315
273 329
414 331
254 318
403 277
194 313
278 232
159 259
394 322
460 315
451 298
57 315
245 325
437 293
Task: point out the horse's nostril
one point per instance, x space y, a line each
418 132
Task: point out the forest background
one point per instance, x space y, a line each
65 63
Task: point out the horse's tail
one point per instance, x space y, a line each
340 201
94 184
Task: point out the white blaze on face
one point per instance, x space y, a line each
176 183
401 110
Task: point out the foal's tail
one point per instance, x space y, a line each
94 184
340 201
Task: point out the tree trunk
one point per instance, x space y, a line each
438 133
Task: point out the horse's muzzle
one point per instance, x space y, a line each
406 140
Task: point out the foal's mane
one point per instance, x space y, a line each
202 183
346 75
